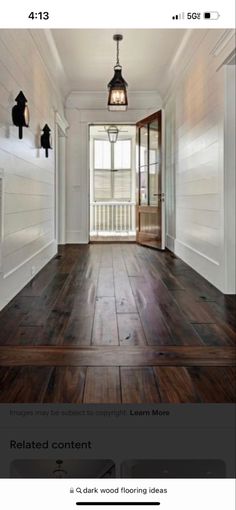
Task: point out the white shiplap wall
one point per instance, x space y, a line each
195 159
28 214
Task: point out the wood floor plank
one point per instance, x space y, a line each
138 386
23 384
131 261
194 311
175 385
40 282
214 384
37 314
215 334
182 332
117 356
130 329
10 320
106 255
125 302
154 325
66 385
105 322
102 386
118 259
54 328
27 335
78 330
105 286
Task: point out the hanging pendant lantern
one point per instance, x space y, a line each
117 98
112 132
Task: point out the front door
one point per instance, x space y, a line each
150 183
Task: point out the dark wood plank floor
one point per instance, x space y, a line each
115 323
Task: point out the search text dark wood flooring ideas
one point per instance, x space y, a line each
118 323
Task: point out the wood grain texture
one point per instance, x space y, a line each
175 385
102 386
23 384
139 386
105 322
163 334
113 355
214 384
66 385
130 329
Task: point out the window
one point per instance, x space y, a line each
112 171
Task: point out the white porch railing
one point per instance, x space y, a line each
112 218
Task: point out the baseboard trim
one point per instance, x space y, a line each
170 242
76 237
15 280
17 268
204 265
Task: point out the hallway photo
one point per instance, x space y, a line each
117 216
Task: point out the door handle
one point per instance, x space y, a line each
158 194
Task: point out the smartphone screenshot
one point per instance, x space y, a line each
117 255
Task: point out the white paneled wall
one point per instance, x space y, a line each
195 160
28 215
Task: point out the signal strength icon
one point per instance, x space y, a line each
179 16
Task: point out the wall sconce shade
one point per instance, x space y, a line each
113 132
20 113
117 97
46 142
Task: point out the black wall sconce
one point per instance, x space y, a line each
46 139
20 113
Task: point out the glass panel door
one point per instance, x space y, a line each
150 207
154 166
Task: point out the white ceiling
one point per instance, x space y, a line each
88 57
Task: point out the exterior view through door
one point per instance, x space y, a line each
112 183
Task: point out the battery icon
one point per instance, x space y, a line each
211 15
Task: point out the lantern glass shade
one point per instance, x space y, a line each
26 116
117 98
113 132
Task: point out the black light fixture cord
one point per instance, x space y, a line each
117 53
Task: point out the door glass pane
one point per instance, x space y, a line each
143 146
154 185
153 142
143 185
102 154
122 154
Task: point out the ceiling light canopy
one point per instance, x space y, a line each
117 97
